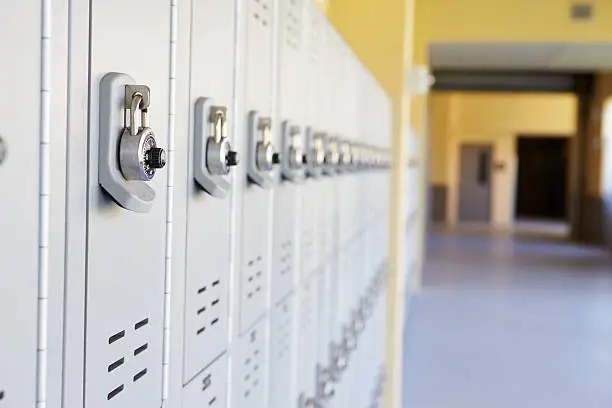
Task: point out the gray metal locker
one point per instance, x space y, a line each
210 159
126 229
20 150
260 157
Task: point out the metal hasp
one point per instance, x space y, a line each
315 152
293 157
326 388
262 155
339 361
125 175
213 153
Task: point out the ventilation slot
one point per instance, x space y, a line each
140 374
117 336
141 324
201 330
141 349
116 364
115 392
212 401
1 395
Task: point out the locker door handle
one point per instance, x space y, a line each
332 154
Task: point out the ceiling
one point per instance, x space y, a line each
573 57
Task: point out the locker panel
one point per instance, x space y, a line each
307 336
125 249
19 163
208 217
284 246
259 31
281 354
209 388
250 369
308 234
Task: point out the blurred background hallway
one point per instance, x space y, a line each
509 322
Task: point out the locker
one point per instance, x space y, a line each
260 157
19 167
211 148
126 228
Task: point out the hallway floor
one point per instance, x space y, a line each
508 322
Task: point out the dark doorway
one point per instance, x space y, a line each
542 181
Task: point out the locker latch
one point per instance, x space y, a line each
293 155
332 155
262 155
325 384
346 156
214 155
139 155
128 153
315 152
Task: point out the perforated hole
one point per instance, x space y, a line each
293 27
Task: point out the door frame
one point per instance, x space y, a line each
491 147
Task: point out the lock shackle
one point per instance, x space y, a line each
134 106
265 127
219 124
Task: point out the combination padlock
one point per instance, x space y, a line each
296 158
220 156
265 155
139 155
332 155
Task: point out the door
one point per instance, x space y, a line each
475 184
542 178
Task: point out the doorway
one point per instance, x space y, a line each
542 180
475 183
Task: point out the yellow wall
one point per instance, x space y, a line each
501 20
492 118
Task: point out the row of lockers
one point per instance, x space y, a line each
194 207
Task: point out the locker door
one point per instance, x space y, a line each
20 90
125 248
257 128
209 205
289 139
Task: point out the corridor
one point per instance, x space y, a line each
506 322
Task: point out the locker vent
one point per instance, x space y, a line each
286 258
1 395
306 306
284 328
293 28
255 279
209 311
116 367
252 366
261 12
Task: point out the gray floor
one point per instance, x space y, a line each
510 323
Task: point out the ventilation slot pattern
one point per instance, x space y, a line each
252 367
117 367
283 331
261 12
293 27
255 279
286 258
308 254
206 322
